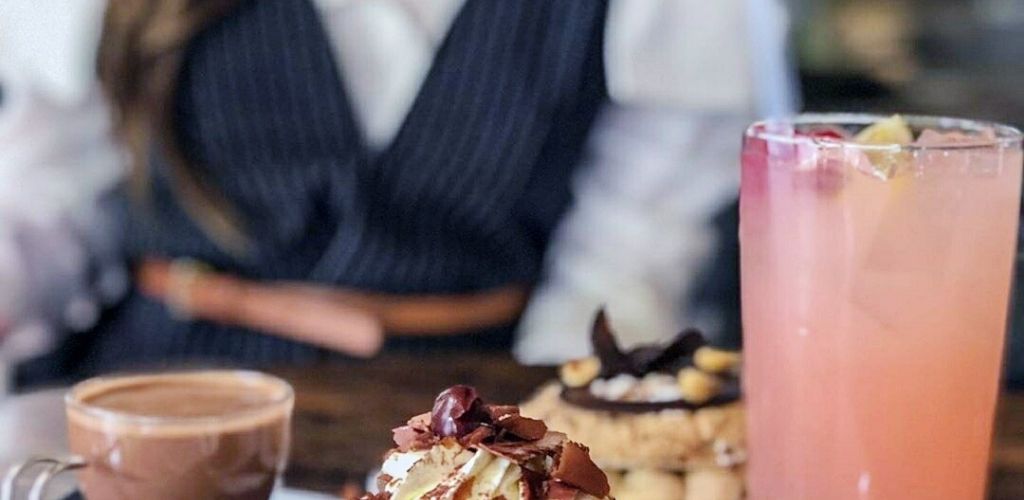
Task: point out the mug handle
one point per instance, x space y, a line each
52 467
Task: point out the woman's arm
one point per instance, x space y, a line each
663 161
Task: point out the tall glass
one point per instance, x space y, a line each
875 288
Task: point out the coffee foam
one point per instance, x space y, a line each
278 405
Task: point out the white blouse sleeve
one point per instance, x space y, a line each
684 82
58 253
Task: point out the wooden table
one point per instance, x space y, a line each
344 414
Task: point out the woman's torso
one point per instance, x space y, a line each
464 198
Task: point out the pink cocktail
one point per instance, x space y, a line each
875 282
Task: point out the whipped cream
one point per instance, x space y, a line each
652 388
449 470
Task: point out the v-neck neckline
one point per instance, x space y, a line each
358 134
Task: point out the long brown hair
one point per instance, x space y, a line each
140 58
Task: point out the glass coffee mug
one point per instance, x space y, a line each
212 434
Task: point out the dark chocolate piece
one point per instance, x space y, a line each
457 411
523 452
644 359
559 491
415 434
522 427
575 468
613 360
477 436
497 412
682 347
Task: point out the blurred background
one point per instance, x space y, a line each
944 57
337 189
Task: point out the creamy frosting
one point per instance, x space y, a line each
449 469
465 449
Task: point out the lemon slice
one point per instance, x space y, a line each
892 131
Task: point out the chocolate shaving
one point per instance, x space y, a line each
497 412
613 360
535 483
641 361
522 427
383 480
460 413
575 468
644 359
477 436
682 347
415 434
421 421
559 491
405 437
522 452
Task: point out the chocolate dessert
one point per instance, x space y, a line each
664 421
467 449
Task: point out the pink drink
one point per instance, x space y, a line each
874 310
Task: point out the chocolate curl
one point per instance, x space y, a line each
477 436
559 491
415 434
575 468
498 412
528 429
522 452
405 437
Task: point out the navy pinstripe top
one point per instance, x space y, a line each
464 198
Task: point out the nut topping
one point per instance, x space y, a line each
580 372
696 386
714 360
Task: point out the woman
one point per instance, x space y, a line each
311 176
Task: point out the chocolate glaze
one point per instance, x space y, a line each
640 361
